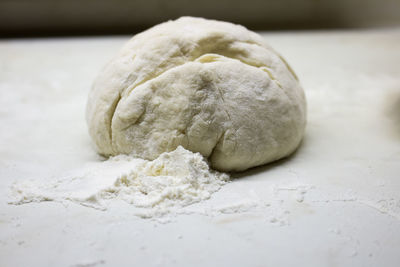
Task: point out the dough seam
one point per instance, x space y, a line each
113 108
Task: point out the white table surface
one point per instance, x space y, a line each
347 169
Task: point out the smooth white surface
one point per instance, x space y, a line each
336 202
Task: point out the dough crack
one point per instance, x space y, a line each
272 77
220 139
112 111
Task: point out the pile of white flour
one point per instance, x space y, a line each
174 180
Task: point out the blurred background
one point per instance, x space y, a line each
27 18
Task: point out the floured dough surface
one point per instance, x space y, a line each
212 87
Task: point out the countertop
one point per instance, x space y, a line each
335 202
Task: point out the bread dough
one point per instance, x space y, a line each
210 86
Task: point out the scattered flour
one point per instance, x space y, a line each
174 180
179 182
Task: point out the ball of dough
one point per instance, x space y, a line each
210 86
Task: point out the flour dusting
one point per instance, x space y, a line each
174 180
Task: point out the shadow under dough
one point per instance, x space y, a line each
392 110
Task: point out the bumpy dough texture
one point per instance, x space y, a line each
211 86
